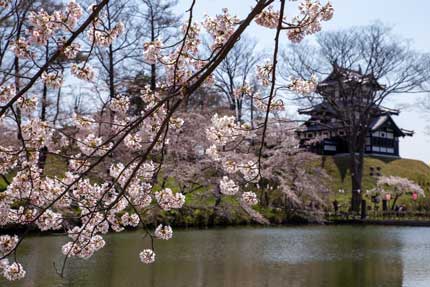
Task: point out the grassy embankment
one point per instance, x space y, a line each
415 170
198 211
199 208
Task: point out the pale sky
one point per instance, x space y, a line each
409 19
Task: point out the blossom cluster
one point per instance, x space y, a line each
262 105
126 189
27 104
145 132
163 232
180 63
193 40
84 72
120 105
45 25
72 50
304 87
7 92
223 131
168 200
104 37
84 244
7 155
52 80
93 145
312 13
7 243
22 49
249 170
11 271
242 91
55 25
151 51
221 27
264 73
250 198
228 187
147 256
399 185
269 18
102 206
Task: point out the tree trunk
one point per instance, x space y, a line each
239 107
356 159
252 111
57 107
44 103
43 155
17 68
216 207
393 206
17 88
153 77
363 209
356 194
111 84
111 72
153 66
43 151
356 168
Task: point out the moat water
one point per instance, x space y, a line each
323 256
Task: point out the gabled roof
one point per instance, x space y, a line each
326 107
381 121
348 75
376 124
390 111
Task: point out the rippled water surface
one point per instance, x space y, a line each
332 256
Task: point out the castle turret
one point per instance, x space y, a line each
348 91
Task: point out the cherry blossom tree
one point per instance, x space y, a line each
288 178
125 194
397 186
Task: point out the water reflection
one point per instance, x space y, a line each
291 256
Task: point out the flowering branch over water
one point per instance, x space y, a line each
85 207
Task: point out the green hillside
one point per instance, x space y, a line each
338 169
3 184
